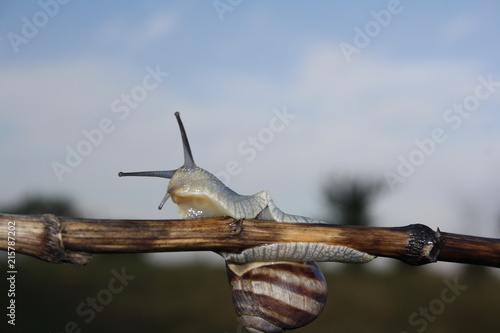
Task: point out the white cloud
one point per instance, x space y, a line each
349 119
458 28
50 100
360 121
159 26
125 32
49 105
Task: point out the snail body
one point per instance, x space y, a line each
275 287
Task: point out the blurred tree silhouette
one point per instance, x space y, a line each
349 200
38 204
196 298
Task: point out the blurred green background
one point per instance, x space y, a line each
195 297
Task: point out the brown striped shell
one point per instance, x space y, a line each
269 297
273 297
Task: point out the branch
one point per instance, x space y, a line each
72 240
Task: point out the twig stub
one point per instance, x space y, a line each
423 246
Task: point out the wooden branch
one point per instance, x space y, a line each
72 240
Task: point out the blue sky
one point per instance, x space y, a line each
233 75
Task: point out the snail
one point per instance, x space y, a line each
275 287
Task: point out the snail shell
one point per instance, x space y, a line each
273 297
276 286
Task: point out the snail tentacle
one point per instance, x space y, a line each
275 287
